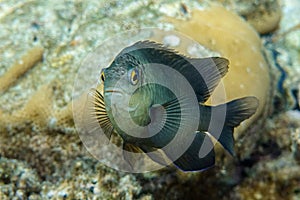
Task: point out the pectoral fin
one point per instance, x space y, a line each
98 113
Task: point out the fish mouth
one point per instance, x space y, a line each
113 90
114 98
119 101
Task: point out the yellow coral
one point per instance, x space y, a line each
225 32
20 67
40 113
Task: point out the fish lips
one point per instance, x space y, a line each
118 100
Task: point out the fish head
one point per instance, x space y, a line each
126 100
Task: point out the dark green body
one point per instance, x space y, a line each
150 113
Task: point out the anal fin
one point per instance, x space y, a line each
199 155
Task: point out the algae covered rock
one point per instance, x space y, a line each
263 15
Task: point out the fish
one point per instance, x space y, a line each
155 98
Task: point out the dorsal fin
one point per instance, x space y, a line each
212 70
203 74
146 44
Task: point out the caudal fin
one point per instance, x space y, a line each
236 111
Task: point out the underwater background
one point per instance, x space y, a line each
42 46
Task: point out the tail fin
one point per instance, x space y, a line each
236 111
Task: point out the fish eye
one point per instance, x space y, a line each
102 76
134 76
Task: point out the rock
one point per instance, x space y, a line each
263 15
249 73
